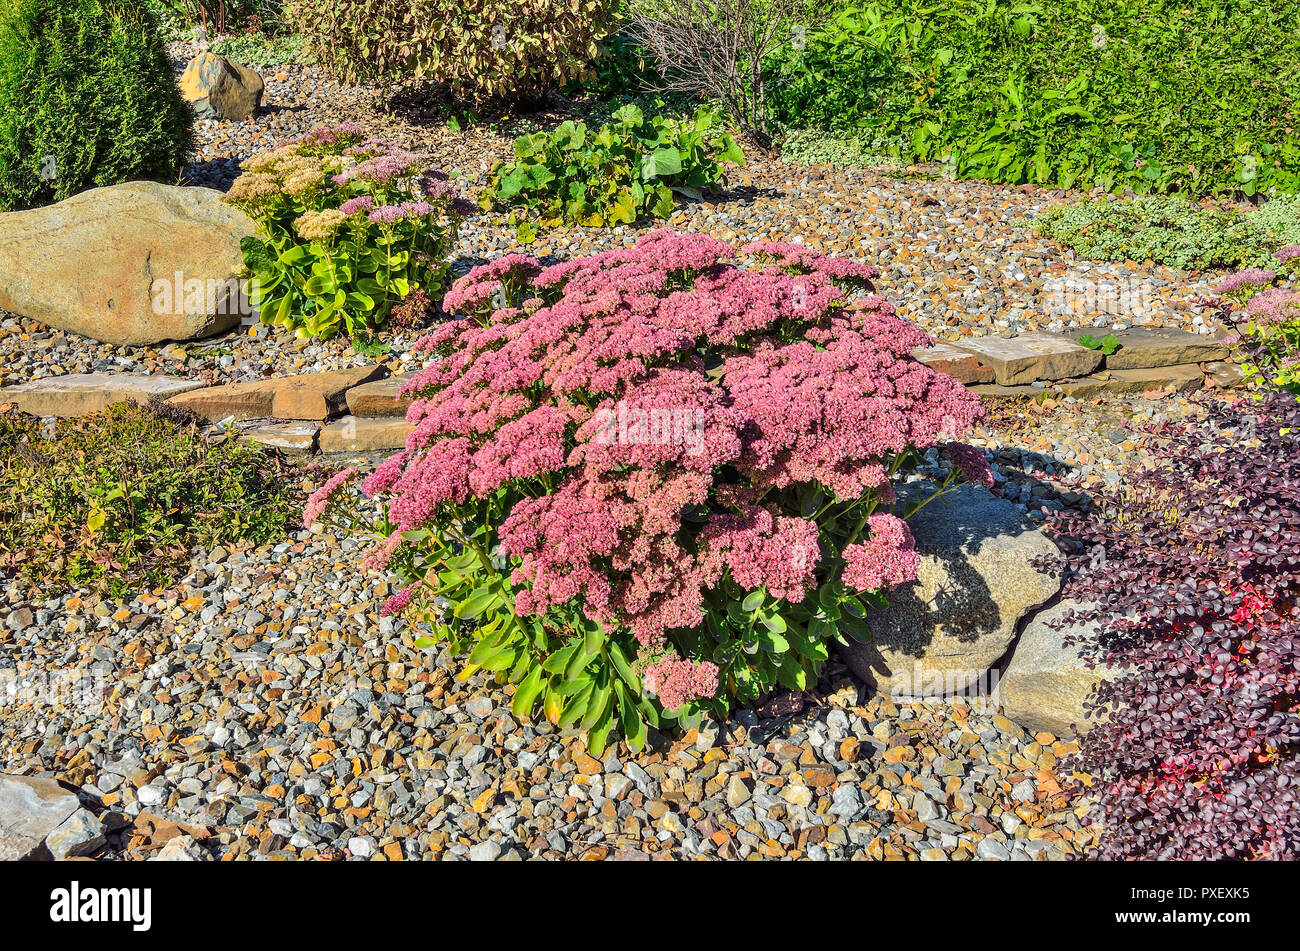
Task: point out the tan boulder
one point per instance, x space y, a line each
129 264
978 576
220 88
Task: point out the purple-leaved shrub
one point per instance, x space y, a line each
1193 571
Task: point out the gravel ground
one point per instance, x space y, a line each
264 705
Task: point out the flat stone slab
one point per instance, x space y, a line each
1027 390
314 396
31 807
319 395
81 394
289 436
1183 379
1032 356
379 399
963 366
1145 347
248 400
356 434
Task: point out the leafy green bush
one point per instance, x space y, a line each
87 98
626 170
1172 231
117 500
1175 95
859 148
341 241
516 50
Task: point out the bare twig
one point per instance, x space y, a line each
717 48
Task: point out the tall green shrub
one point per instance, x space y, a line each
87 98
480 48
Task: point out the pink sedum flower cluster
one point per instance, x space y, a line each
646 414
886 559
677 682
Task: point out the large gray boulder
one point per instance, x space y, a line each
31 807
137 263
943 632
1045 683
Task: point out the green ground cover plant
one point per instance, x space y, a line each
1173 231
116 501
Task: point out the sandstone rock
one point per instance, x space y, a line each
220 88
313 396
1045 683
963 366
1021 391
1181 378
248 400
976 579
1221 373
351 434
379 398
181 848
31 807
81 394
290 437
1145 347
1032 356
129 264
318 395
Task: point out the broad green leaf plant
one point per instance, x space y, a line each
629 169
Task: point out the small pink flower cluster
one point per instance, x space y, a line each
1275 305
784 384
319 500
970 462
1247 277
677 682
886 559
388 214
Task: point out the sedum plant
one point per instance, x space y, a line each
652 483
478 48
1268 341
628 169
349 227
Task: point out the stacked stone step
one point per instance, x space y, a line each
1027 364
360 410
